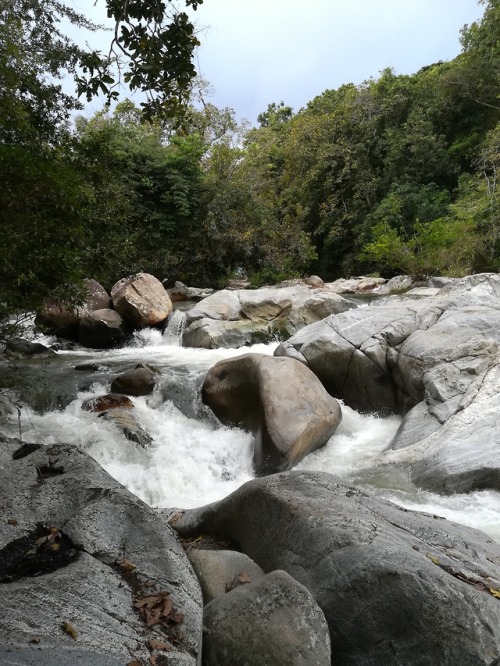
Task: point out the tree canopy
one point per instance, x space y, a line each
398 174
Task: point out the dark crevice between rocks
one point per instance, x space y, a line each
207 542
43 551
346 377
45 472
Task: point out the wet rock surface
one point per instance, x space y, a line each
136 381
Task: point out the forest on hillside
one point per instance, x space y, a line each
397 175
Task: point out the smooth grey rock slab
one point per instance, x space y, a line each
61 487
396 586
349 352
214 333
460 455
272 621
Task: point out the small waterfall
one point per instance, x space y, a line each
172 335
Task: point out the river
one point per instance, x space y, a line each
192 459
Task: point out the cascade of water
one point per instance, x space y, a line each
194 460
174 329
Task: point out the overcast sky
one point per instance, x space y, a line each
259 51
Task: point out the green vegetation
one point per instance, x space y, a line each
398 174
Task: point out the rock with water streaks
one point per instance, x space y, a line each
395 586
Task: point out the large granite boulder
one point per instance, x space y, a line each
435 361
395 586
64 320
279 400
214 333
460 455
89 574
102 329
274 620
233 318
59 319
97 297
142 300
349 351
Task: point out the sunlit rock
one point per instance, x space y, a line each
141 300
434 360
232 318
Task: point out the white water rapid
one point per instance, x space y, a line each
192 459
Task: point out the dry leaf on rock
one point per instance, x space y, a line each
53 534
158 609
125 564
241 579
69 629
433 559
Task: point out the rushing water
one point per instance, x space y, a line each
192 459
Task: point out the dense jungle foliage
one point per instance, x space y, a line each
397 175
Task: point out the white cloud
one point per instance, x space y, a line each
258 51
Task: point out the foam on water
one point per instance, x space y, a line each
480 509
193 461
354 447
355 444
188 464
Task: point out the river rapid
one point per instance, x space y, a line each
193 459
